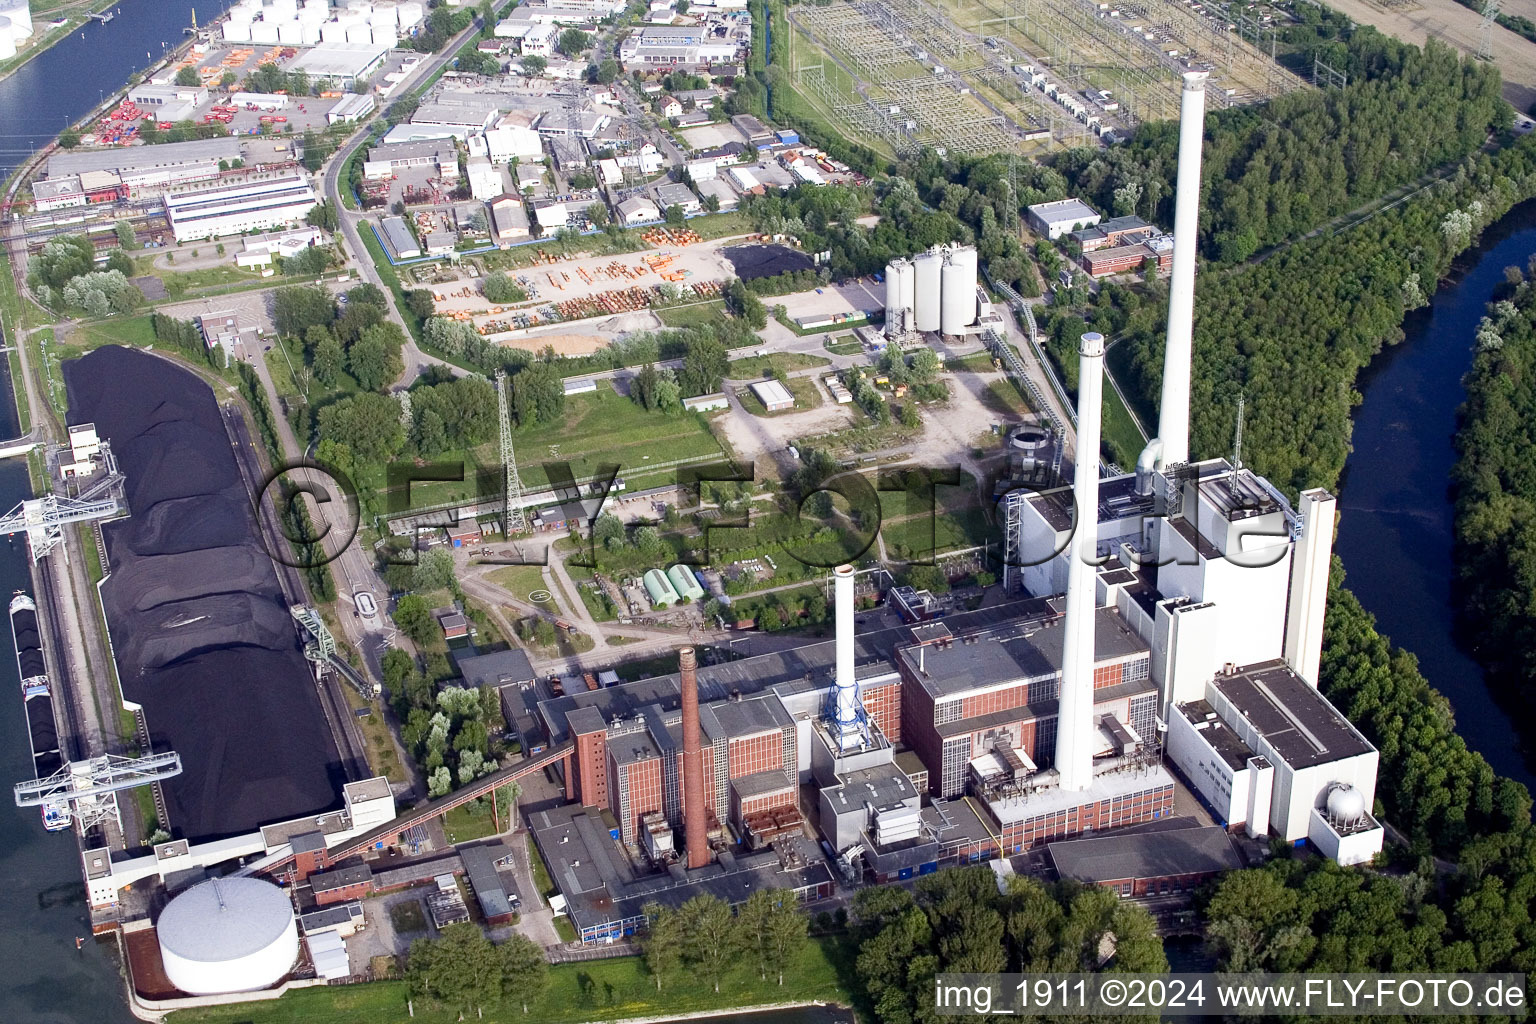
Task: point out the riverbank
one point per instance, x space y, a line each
79 15
613 990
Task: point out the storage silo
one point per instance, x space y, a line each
385 16
7 40
385 35
900 293
20 15
410 15
264 32
333 32
927 271
290 33
228 935
959 297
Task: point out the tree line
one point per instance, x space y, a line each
1495 486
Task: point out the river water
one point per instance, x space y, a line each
1395 513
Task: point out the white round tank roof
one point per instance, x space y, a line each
224 919
1346 803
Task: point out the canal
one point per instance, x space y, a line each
1395 514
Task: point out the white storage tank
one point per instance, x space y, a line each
359 33
20 15
959 308
385 35
290 33
385 16
228 935
264 32
7 40
410 15
309 33
900 291
333 32
927 269
237 31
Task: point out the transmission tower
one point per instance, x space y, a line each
512 488
1485 35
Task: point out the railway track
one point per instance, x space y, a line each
338 715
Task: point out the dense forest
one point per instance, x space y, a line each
1292 339
1276 170
1495 482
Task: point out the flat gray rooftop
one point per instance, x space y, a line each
1217 733
1296 720
1159 854
1029 649
141 158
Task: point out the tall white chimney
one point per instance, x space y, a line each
1173 421
1074 723
849 708
1311 560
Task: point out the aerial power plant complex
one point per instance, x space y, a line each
1148 665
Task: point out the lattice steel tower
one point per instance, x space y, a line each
1485 34
512 488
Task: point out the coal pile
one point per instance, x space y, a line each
201 631
754 261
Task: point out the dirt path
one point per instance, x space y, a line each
1417 20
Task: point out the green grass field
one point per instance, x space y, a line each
695 314
596 990
520 581
1124 439
462 824
911 540
751 367
116 330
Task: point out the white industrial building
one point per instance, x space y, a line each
168 102
236 209
506 142
484 178
1062 217
1209 565
351 107
340 63
228 935
935 291
652 46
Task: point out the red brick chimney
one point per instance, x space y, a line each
694 825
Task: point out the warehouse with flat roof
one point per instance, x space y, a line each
236 209
140 166
340 63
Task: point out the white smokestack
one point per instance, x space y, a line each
849 720
1074 723
1173 422
1310 560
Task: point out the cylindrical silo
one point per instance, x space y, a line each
20 14
359 33
264 32
900 290
333 32
927 270
386 16
959 298
237 31
290 33
410 14
7 40
385 35
228 935
309 33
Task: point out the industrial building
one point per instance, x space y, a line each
342 64
168 102
234 209
1061 217
774 395
692 46
392 158
1210 567
509 220
137 167
1147 862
